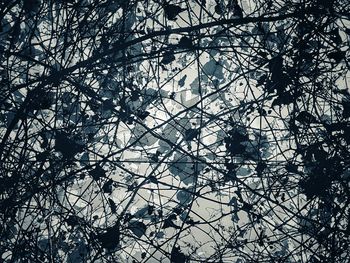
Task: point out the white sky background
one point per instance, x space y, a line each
215 67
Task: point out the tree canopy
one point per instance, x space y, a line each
174 131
